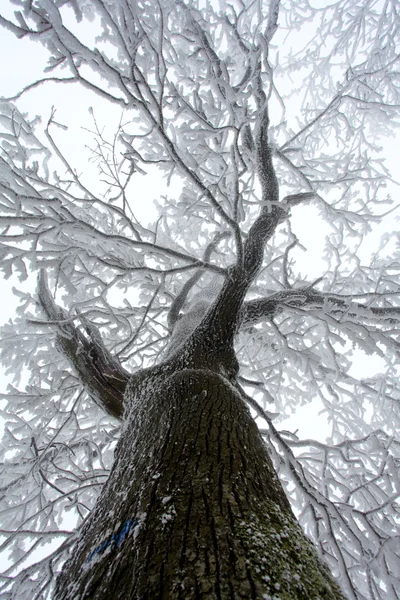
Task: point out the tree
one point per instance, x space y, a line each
158 335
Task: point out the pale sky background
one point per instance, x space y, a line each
22 63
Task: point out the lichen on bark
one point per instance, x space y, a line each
285 559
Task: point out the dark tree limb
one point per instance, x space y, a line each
307 298
101 374
216 332
272 211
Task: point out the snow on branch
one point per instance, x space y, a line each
102 375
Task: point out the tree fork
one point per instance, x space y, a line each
192 508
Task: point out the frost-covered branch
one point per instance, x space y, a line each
341 308
100 372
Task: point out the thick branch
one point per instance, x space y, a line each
262 308
220 324
271 213
101 374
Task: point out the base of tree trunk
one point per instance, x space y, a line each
193 508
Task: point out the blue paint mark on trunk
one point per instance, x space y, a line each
115 540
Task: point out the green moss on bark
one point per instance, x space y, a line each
284 558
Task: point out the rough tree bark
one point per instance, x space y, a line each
193 508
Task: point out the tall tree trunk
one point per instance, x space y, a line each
192 508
